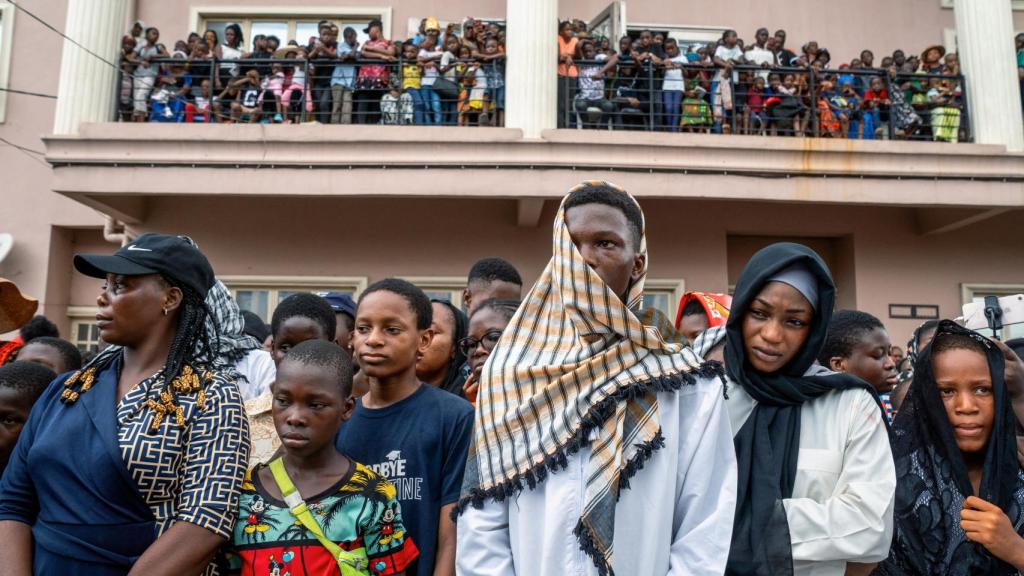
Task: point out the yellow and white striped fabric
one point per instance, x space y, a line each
574 367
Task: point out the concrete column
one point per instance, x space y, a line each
88 86
984 31
531 88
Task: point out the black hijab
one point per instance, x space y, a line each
768 444
454 379
932 476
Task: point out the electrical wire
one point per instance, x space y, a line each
27 93
26 151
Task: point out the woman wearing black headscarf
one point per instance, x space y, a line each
960 497
816 476
441 363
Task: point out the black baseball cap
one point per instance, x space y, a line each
175 257
340 302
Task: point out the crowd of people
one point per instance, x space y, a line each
438 77
546 429
656 82
455 76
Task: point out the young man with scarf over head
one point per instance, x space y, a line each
598 448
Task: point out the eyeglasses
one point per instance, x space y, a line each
468 345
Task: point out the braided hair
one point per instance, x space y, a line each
185 371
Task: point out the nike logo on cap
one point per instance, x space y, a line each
137 249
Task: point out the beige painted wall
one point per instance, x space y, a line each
846 29
688 240
28 208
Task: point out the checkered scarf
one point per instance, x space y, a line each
574 367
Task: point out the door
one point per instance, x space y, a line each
609 23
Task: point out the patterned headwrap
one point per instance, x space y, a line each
716 306
228 327
574 359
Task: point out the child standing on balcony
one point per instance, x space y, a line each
495 95
273 88
755 103
466 70
146 73
429 57
672 87
412 83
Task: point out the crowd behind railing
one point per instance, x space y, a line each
433 78
659 84
455 76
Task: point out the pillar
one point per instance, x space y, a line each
88 86
531 89
984 30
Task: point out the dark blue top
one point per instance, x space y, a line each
420 444
67 480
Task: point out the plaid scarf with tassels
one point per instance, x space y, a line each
573 359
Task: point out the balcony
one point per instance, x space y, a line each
117 167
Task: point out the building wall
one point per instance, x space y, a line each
845 29
28 208
879 258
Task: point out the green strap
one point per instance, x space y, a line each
349 563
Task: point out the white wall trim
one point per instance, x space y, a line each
245 282
6 52
1016 4
198 13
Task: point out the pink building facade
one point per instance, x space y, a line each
908 228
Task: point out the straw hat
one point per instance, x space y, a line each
16 309
939 47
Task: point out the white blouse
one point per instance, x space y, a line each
842 505
676 517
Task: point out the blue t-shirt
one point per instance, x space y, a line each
420 445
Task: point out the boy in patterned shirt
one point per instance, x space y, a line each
355 508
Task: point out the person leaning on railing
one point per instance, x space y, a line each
374 79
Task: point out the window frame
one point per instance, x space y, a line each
675 287
276 284
453 284
970 291
6 52
244 16
78 316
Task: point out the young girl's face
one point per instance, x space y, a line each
876 84
672 49
465 53
774 81
485 327
965 386
491 47
211 38
759 83
205 88
409 52
451 44
788 81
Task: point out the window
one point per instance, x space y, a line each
85 334
664 295
686 36
441 288
977 293
262 294
6 35
293 23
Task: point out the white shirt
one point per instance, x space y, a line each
429 70
728 54
675 518
842 504
760 56
674 76
259 370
